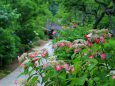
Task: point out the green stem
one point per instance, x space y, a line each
106 65
58 82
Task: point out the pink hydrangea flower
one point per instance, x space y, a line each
22 65
85 36
58 67
54 32
102 40
70 45
109 35
76 50
89 44
61 44
66 66
91 56
45 66
55 46
89 39
15 82
113 77
96 40
33 55
103 56
72 70
44 53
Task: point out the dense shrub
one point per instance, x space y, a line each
110 50
8 50
24 20
27 9
74 63
71 34
9 42
32 20
26 34
8 17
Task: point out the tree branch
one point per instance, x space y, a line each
98 20
101 3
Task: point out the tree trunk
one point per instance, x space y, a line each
98 20
0 61
83 19
110 22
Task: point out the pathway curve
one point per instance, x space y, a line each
9 80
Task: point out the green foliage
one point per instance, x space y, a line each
9 41
8 50
110 50
110 46
26 33
104 23
88 71
71 34
33 19
8 17
65 55
27 9
24 20
85 10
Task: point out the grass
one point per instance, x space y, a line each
4 73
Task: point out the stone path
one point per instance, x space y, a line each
9 80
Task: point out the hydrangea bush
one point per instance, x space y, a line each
83 62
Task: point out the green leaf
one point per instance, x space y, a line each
96 79
21 74
109 56
90 82
26 71
33 81
30 71
93 63
49 83
28 64
81 80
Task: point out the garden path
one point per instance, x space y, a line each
10 80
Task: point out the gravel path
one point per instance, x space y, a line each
9 80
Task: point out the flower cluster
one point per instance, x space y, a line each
97 36
52 61
58 65
33 57
102 56
54 32
23 60
79 44
112 73
64 66
98 33
44 53
96 40
62 43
